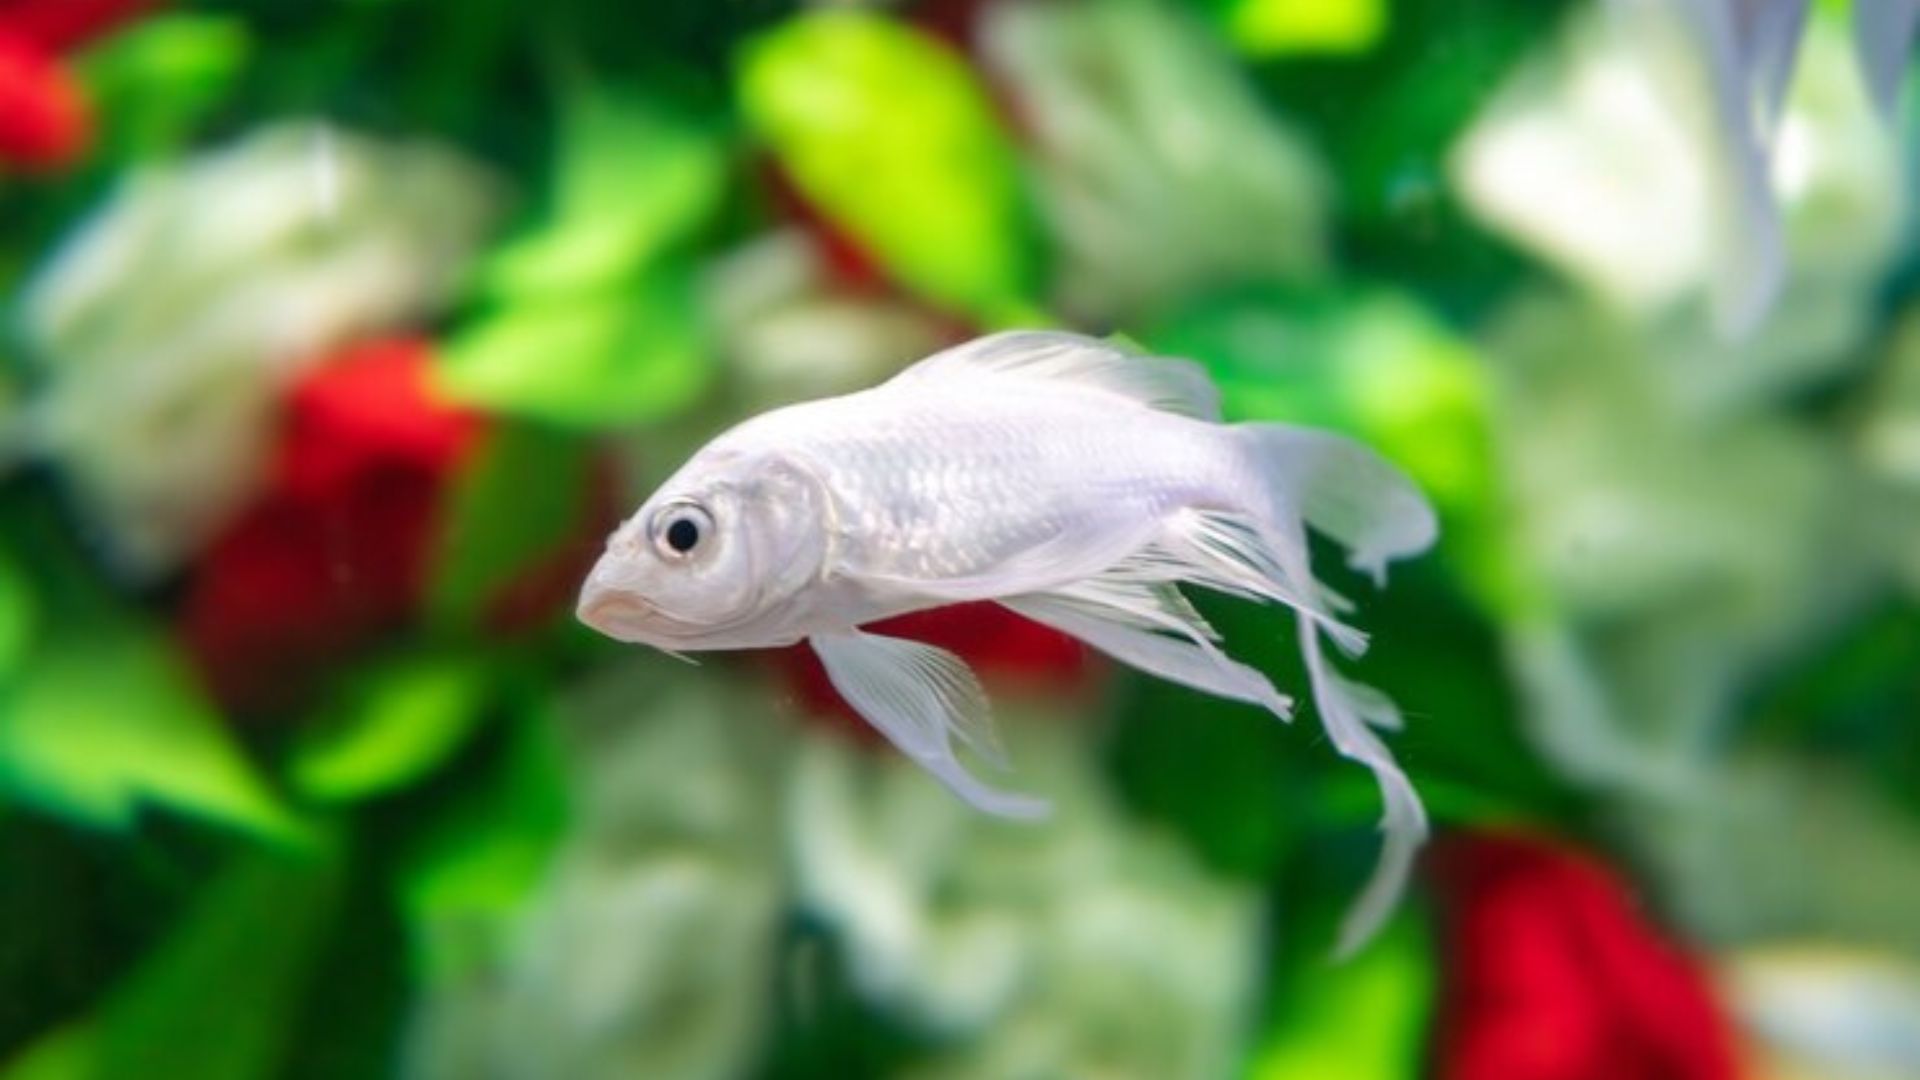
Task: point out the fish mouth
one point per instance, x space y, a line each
618 615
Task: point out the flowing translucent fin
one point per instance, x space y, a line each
1346 709
1242 555
1883 39
1749 248
1769 40
921 697
1152 628
1356 497
1177 386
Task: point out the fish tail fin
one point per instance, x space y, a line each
1360 500
1342 489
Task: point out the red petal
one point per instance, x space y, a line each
1552 974
59 25
369 405
333 555
44 124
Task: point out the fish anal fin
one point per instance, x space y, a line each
922 698
1165 383
1151 627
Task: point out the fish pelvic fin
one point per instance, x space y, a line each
922 698
1165 383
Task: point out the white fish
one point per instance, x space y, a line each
1071 481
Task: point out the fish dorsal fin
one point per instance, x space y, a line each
1165 383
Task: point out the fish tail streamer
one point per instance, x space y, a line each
1367 505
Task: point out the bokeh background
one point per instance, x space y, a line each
337 334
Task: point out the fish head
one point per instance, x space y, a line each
718 558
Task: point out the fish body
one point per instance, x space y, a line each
1072 481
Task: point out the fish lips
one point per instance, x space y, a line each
621 614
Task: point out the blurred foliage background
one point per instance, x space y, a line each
339 332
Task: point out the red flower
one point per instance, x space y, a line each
44 122
60 25
1001 646
1553 974
43 118
335 552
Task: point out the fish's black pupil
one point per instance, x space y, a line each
682 534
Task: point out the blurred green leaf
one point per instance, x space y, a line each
890 134
632 180
102 718
1231 780
214 1002
526 494
1266 28
391 726
17 618
66 1053
474 862
602 360
589 319
154 83
1366 1019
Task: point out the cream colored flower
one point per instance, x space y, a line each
648 950
1084 946
1609 157
1158 169
166 328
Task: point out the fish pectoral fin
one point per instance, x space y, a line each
1151 627
921 698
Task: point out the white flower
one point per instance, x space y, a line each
648 951
789 337
1159 170
1086 945
1815 1010
1626 157
166 328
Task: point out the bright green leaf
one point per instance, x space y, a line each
101 717
1266 28
92 731
391 726
602 360
632 180
16 617
525 495
103 720
156 81
589 318
1365 1019
474 864
890 134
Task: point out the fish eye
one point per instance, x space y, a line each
679 529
